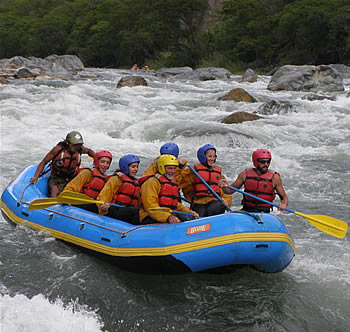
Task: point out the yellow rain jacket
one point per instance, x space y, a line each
75 185
150 190
152 168
109 190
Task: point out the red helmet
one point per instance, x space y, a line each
260 154
100 154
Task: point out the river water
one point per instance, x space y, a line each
46 285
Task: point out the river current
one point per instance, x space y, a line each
46 285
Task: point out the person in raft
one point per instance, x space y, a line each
166 148
90 182
160 194
261 182
65 159
122 189
203 200
172 149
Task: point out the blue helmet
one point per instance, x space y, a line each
170 148
126 160
201 152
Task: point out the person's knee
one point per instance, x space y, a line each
200 209
215 208
54 191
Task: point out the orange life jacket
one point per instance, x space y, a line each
128 193
169 194
260 186
96 184
65 164
210 175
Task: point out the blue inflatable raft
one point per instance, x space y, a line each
203 244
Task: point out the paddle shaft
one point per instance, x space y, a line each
68 197
184 199
111 204
173 211
329 225
207 185
258 198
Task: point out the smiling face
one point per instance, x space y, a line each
170 171
211 156
103 164
133 168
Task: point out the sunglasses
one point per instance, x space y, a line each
264 161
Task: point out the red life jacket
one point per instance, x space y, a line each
128 193
210 175
260 186
65 164
169 194
96 184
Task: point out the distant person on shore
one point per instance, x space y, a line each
134 67
261 182
65 159
122 189
91 182
160 192
203 201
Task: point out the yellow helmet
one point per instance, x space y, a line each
166 160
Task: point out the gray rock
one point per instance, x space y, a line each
173 71
69 62
343 70
200 74
306 78
249 76
276 107
131 81
210 73
54 67
24 72
314 96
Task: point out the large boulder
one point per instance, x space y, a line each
173 71
131 81
238 95
249 76
343 70
239 117
24 72
200 74
273 106
210 73
53 67
306 78
69 62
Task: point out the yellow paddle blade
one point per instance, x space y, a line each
42 203
329 225
68 197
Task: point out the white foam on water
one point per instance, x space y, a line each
22 314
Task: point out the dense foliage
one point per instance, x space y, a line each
118 33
